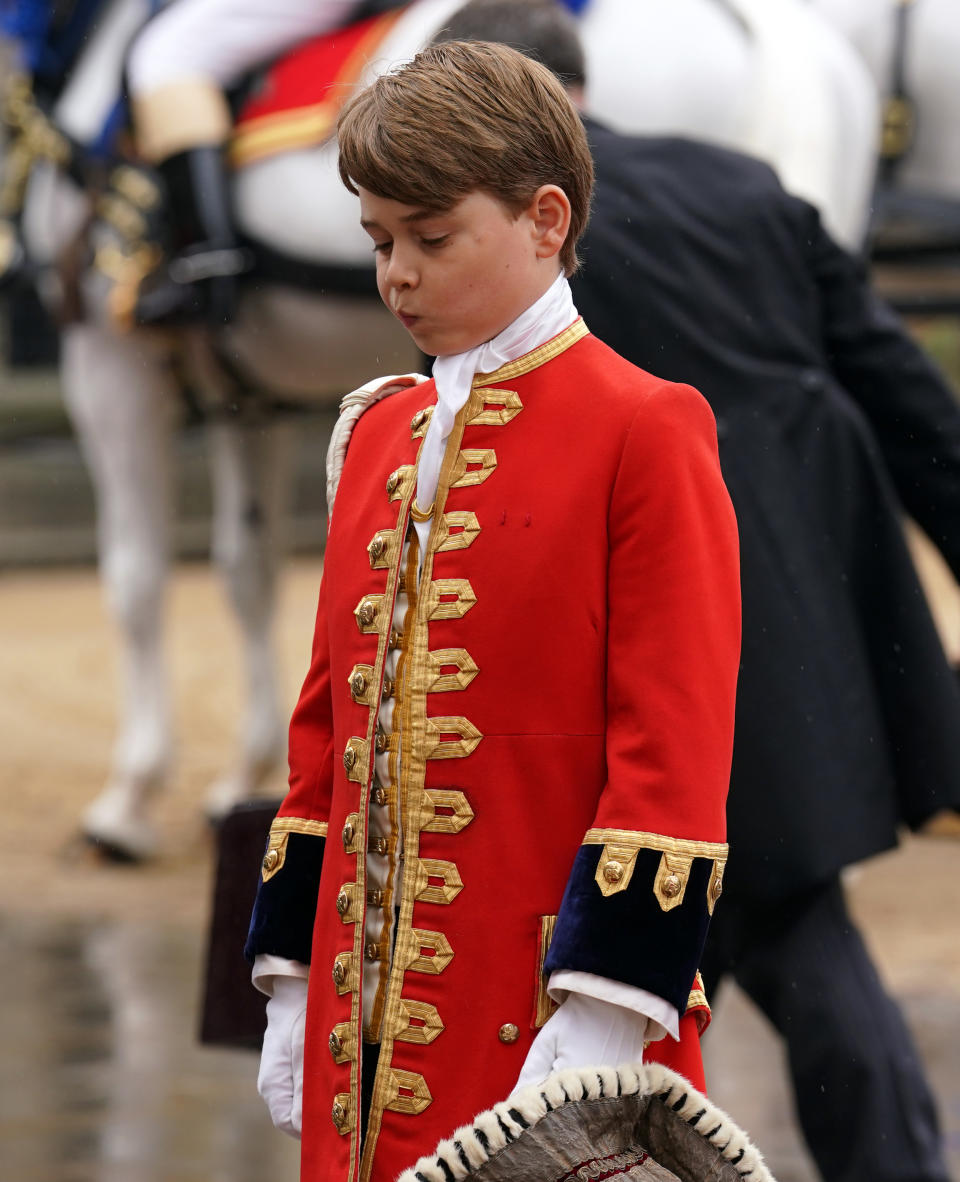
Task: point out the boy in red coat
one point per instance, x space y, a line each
504 834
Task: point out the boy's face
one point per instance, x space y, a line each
458 278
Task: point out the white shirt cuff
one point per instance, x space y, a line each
266 967
662 1017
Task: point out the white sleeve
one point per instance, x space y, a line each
266 967
663 1018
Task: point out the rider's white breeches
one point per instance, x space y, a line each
220 40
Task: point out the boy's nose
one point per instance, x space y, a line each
401 273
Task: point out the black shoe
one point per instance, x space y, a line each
199 285
199 280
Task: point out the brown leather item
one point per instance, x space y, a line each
233 1013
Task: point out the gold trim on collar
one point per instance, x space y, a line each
537 357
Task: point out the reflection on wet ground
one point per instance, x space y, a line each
102 1079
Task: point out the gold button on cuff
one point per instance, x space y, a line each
348 835
343 903
349 758
339 973
613 871
270 860
671 886
358 685
335 1044
508 1032
393 481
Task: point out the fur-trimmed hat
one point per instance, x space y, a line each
642 1123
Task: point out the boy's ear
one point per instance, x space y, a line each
549 214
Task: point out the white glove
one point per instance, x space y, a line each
584 1032
280 1081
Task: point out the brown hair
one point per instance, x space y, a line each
464 116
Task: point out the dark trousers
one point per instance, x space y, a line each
862 1101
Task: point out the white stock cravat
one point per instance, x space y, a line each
543 320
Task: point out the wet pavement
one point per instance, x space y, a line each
102 1077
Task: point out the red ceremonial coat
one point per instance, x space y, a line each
561 741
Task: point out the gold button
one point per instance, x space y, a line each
717 888
343 902
348 835
335 1043
383 742
339 973
270 860
358 685
418 420
372 951
393 481
375 898
377 547
349 759
396 638
671 886
367 612
613 871
378 796
377 845
509 1032
387 689
339 1115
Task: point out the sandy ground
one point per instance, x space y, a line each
58 677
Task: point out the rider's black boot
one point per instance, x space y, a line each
198 282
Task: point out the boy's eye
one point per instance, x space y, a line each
382 247
439 241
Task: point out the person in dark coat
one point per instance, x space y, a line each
832 424
699 267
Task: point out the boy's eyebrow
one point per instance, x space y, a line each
418 215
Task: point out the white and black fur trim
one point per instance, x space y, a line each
472 1146
352 406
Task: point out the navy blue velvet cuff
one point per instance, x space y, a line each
286 904
627 936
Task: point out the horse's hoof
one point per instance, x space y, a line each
112 851
117 834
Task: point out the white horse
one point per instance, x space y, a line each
766 76
911 49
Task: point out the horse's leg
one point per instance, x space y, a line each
122 402
248 470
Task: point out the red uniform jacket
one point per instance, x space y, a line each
564 720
